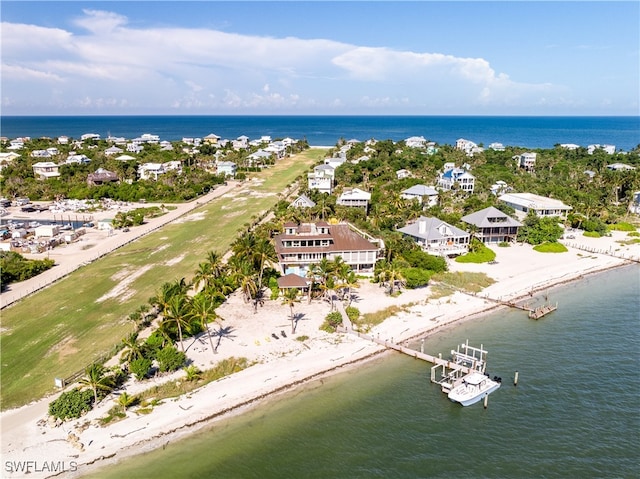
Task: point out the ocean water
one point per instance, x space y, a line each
574 412
529 132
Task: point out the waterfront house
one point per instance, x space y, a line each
291 281
101 177
211 139
301 245
303 201
45 170
610 149
415 142
63 140
354 197
493 226
540 205
469 147
437 237
496 146
421 193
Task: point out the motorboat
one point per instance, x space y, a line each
472 388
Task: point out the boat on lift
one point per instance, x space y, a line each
474 387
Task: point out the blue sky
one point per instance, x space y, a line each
317 57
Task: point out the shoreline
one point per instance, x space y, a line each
321 356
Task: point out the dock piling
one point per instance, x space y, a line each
515 379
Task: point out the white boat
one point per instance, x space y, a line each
474 387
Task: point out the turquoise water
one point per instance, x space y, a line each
529 132
574 412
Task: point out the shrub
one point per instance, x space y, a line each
422 260
416 277
591 234
504 244
622 227
152 345
482 254
331 322
170 359
551 248
302 338
353 313
140 368
71 404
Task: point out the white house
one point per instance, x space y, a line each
469 147
611 149
400 174
77 160
527 160
226 168
45 170
322 178
150 171
540 205
354 197
437 237
422 193
456 178
112 150
303 201
634 206
415 142
496 146
620 167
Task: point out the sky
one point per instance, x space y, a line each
320 58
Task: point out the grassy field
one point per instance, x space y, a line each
63 328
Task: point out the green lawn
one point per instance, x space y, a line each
62 328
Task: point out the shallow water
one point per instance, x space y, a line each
574 412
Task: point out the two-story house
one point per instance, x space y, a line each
45 170
540 205
437 237
301 245
456 178
493 226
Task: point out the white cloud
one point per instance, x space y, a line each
113 64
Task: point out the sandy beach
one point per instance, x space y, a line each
521 274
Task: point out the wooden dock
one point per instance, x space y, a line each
541 311
436 360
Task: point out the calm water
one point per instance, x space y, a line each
530 132
574 413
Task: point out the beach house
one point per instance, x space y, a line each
527 161
226 168
101 177
456 179
45 169
542 206
321 178
437 237
422 193
302 201
354 198
492 225
301 245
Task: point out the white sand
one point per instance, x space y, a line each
285 362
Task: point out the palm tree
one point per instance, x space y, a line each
263 252
311 274
244 276
133 349
97 380
348 280
178 313
203 308
290 298
125 401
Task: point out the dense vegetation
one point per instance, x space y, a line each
15 267
196 178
